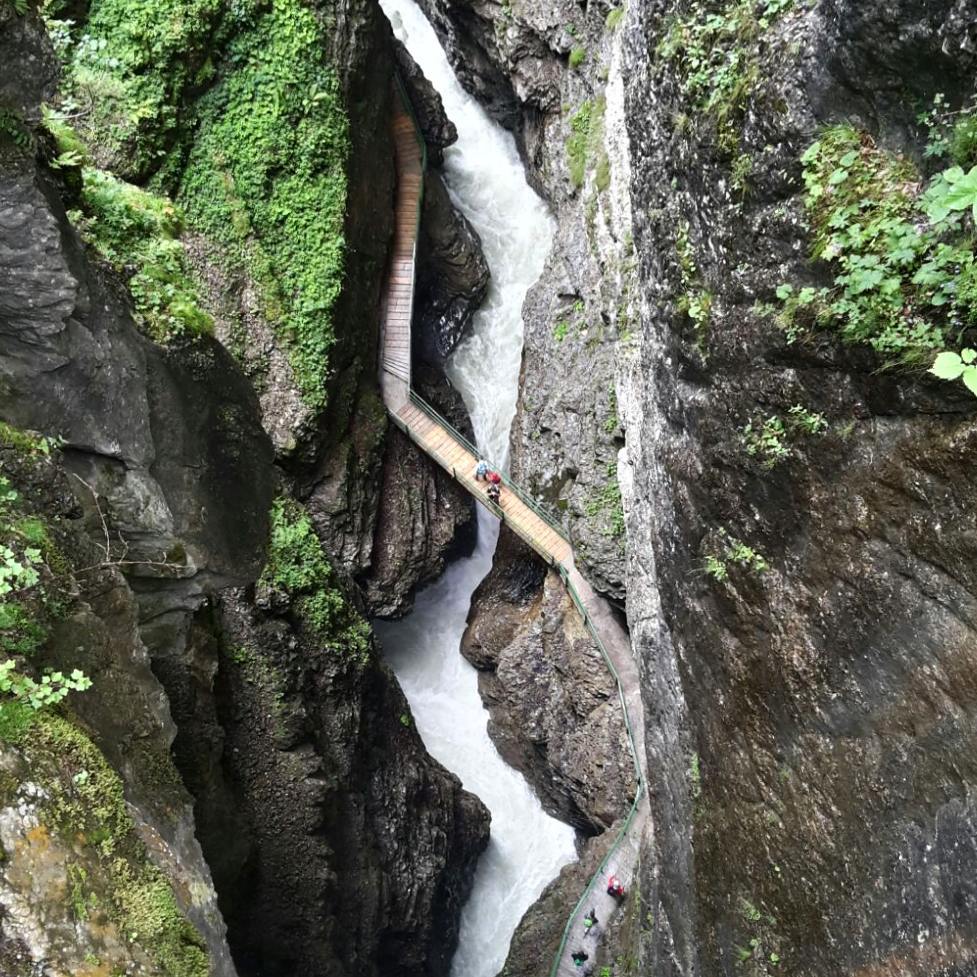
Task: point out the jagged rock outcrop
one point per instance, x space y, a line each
452 276
438 130
515 62
554 707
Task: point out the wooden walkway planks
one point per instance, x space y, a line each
439 443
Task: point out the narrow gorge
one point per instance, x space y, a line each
283 693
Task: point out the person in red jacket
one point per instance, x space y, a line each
615 888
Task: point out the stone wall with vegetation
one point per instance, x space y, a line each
197 200
766 242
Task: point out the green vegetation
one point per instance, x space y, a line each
30 566
577 56
266 178
715 49
614 17
958 366
297 567
560 330
769 440
759 950
733 551
906 279
132 228
130 73
586 138
257 163
695 301
952 135
607 503
695 777
85 806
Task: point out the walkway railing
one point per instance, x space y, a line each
549 518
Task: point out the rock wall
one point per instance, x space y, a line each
796 704
809 736
554 707
291 751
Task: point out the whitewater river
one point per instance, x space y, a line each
527 847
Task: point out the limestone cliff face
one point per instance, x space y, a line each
809 736
337 844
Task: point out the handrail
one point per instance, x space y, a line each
601 869
419 138
524 496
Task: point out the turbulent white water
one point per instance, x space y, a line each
527 847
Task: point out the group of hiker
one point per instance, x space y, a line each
484 474
615 888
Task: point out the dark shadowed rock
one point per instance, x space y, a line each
554 707
317 752
452 275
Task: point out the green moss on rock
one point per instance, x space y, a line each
266 178
86 807
297 566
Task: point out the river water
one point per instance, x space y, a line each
527 847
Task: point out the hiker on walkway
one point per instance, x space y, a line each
579 957
615 888
494 493
481 471
590 920
495 478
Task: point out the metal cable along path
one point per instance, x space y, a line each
518 510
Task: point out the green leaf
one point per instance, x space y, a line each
968 355
947 366
784 292
970 379
839 176
848 158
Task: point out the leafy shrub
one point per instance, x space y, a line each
577 56
770 439
138 232
614 17
696 301
958 366
906 280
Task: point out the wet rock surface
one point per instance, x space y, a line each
554 708
795 706
452 276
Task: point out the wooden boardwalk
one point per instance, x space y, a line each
398 295
457 457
